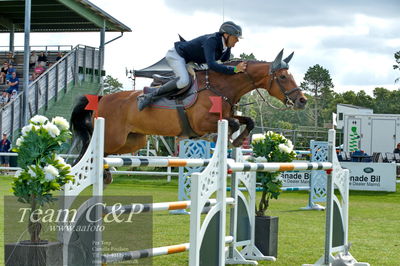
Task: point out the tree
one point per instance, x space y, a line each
386 101
111 85
244 56
397 66
317 80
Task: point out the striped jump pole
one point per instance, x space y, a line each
152 252
246 151
277 167
259 189
142 162
160 206
144 173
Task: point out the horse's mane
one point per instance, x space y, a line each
234 62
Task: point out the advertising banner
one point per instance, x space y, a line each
371 176
296 178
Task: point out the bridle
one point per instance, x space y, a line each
288 101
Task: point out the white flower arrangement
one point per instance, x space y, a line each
50 172
43 171
284 148
37 147
19 141
290 145
261 159
39 119
52 129
39 122
61 160
272 147
258 137
60 122
26 129
31 170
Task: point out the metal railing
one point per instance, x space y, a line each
49 85
5 49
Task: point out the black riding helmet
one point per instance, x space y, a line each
231 28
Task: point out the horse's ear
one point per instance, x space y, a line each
181 39
287 59
277 62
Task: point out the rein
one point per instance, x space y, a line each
288 102
226 99
208 87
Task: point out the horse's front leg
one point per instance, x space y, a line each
249 126
234 125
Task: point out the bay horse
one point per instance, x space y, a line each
126 128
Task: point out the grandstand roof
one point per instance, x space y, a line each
57 16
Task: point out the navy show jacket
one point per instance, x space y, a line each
206 49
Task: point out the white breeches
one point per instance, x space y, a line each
178 65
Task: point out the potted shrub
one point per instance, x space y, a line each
269 147
43 172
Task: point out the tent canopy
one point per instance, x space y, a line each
160 68
57 16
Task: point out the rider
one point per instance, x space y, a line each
204 49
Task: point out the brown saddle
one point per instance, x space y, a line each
179 100
159 80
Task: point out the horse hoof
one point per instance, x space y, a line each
107 177
230 145
237 143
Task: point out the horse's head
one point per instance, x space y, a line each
281 84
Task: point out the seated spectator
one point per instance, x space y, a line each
13 83
10 70
13 95
59 56
11 58
33 77
3 98
397 149
3 73
33 60
42 59
39 70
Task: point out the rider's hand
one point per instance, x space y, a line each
241 67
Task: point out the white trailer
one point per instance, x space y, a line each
349 109
371 132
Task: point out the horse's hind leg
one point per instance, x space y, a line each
133 143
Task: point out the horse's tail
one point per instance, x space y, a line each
81 124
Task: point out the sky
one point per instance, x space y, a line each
355 40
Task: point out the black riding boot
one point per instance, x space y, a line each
145 99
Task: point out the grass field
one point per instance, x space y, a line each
374 223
